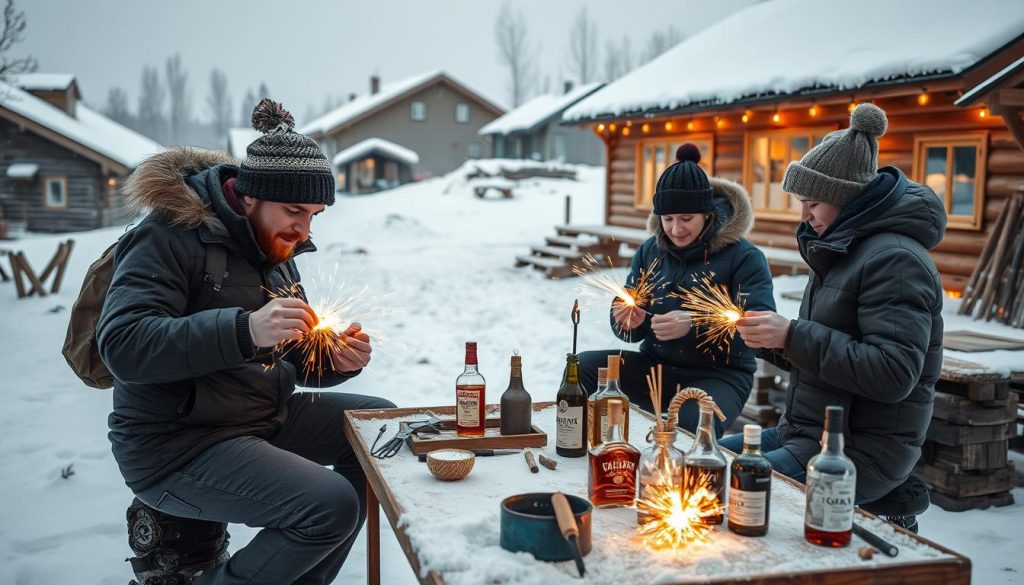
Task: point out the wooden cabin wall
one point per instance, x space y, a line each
955 256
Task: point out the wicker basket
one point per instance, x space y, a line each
450 464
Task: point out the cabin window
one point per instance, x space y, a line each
367 172
473 150
391 173
766 156
55 192
418 111
462 113
560 147
954 167
655 155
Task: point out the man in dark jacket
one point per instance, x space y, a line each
205 423
869 336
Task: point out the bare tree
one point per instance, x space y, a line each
151 105
583 55
514 52
249 103
618 59
262 92
10 35
219 102
178 91
662 41
117 107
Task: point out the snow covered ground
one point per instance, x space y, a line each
442 257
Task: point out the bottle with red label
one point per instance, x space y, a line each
470 397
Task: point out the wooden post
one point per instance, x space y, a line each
372 537
25 267
568 209
62 266
16 274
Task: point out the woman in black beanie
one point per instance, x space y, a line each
699 228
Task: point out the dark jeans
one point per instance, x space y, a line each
310 515
729 387
781 459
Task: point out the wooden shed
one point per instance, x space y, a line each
761 87
61 162
373 165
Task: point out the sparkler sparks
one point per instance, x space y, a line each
712 311
596 283
677 517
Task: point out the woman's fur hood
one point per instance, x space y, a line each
730 229
160 184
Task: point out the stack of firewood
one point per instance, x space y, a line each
995 290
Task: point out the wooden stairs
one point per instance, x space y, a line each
560 253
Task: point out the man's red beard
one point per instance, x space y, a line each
277 246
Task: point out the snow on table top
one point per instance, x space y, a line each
454 526
537 110
789 45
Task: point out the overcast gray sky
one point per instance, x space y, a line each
306 50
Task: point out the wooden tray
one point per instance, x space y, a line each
493 439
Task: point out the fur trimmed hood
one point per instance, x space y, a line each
160 184
734 217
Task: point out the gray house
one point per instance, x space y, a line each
533 131
431 114
62 162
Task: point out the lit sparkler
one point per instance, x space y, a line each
596 283
677 517
712 312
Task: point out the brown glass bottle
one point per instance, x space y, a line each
599 427
571 412
470 397
612 467
592 420
831 487
750 487
516 405
705 464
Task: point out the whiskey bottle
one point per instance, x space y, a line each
831 487
705 464
516 405
612 391
593 424
613 466
570 412
750 487
470 390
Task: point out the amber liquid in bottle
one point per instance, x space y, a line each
705 462
831 487
750 487
600 429
593 423
470 399
613 467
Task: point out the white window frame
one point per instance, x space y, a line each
418 111
462 113
63 182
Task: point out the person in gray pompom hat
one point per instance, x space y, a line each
871 340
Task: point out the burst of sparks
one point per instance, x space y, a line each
712 312
596 283
677 517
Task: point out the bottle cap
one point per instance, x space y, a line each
602 376
613 367
834 419
517 361
752 435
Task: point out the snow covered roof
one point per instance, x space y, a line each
367 103
370 145
537 111
88 127
22 170
239 139
44 81
789 46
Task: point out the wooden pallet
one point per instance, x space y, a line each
972 503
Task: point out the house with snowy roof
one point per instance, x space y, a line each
239 139
534 130
432 114
759 88
62 162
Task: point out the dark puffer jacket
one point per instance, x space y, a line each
721 251
869 336
188 378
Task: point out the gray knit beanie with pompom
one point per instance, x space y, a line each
837 169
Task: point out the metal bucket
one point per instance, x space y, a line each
528 524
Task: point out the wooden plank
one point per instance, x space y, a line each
951 504
556 252
959 410
26 268
968 484
960 458
372 537
492 439
946 433
957 370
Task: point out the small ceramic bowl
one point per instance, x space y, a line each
450 464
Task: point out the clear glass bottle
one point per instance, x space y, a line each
750 487
831 487
611 392
593 425
660 465
612 469
470 397
706 463
571 412
516 404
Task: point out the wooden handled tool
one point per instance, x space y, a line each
567 524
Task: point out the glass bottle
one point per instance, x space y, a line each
612 468
516 405
470 399
612 391
593 425
750 487
570 412
831 487
706 463
660 465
